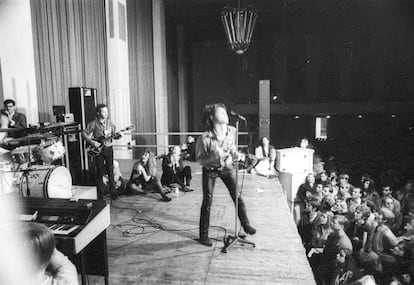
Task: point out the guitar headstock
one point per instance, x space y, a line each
129 128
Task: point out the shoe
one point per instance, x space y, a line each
249 229
166 199
166 189
187 189
206 241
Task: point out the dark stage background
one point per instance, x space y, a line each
342 54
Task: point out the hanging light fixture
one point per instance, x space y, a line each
239 25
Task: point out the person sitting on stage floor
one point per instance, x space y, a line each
50 266
216 152
119 181
174 171
189 149
16 120
143 174
266 154
249 163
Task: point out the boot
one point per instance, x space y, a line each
249 229
205 240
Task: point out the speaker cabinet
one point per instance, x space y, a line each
82 103
294 160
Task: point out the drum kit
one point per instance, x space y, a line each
33 169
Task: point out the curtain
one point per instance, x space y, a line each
141 68
70 50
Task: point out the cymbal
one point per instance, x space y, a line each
24 149
10 130
54 125
35 136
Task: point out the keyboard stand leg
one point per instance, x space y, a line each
105 246
82 267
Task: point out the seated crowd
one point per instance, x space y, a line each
357 234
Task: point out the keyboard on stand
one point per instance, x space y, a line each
79 228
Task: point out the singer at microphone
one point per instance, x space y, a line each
240 117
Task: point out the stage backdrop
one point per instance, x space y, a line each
70 50
141 68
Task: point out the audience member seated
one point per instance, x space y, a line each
369 192
392 204
385 243
320 232
317 197
338 247
408 200
266 155
334 185
50 266
303 207
174 171
341 205
144 175
353 202
328 198
323 179
389 203
344 180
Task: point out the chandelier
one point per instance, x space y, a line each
239 24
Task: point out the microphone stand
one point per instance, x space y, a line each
229 241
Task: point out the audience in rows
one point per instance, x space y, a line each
357 234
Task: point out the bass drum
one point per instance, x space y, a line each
47 182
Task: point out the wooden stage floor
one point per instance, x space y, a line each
173 256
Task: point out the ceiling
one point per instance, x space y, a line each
202 17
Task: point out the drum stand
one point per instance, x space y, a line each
26 172
26 176
229 241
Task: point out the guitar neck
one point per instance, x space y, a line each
102 140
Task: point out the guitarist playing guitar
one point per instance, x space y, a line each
99 134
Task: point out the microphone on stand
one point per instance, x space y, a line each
240 117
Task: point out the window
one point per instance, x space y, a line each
121 21
111 18
321 128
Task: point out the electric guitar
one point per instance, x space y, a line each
94 151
